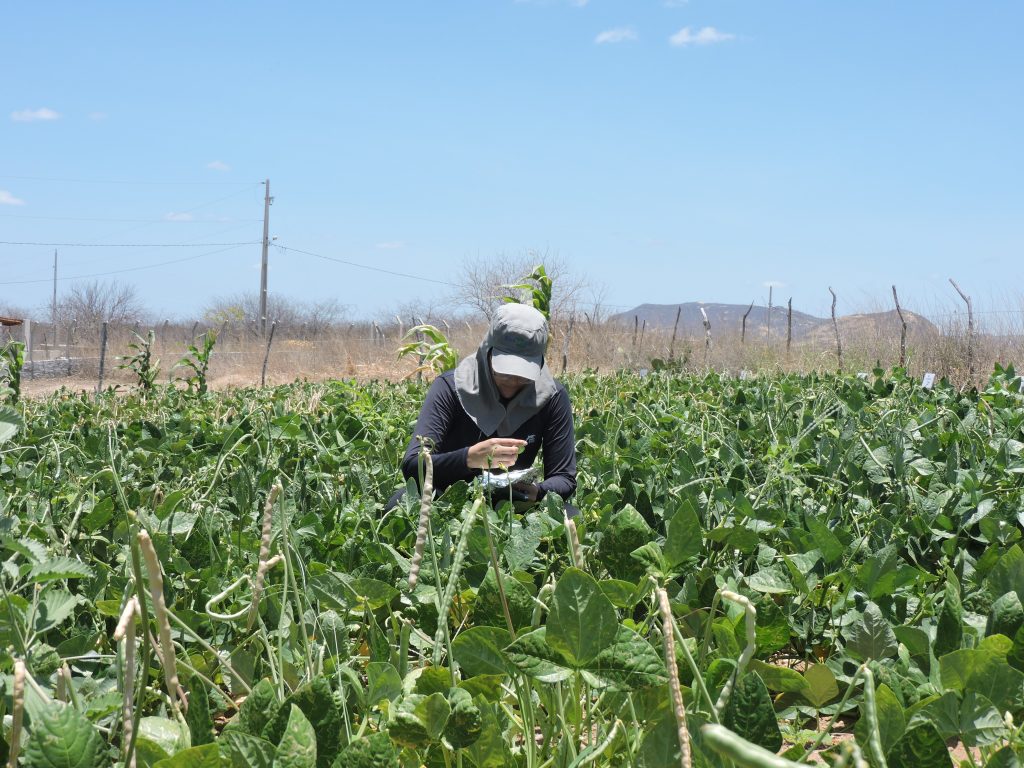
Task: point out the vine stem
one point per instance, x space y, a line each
682 731
421 531
748 652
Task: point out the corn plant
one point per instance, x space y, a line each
536 288
12 360
198 361
436 355
141 363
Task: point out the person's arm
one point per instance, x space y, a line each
436 416
559 448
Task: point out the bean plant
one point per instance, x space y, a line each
763 573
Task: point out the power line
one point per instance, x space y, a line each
137 221
367 266
127 269
132 245
129 181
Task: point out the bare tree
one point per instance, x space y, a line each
482 281
88 304
243 308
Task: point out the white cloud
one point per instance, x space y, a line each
32 115
218 165
391 245
178 216
617 35
6 198
97 116
704 36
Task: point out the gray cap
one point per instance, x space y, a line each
518 339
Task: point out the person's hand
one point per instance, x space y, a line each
530 490
494 453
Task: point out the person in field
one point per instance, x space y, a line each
498 408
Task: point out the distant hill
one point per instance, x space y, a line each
727 319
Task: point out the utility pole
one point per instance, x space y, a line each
53 304
267 200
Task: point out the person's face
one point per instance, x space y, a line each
508 386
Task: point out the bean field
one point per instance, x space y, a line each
790 569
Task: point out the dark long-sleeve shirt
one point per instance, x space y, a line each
443 420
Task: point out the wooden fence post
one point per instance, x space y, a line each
789 326
970 330
835 327
707 335
565 343
768 327
636 327
28 349
416 321
743 324
103 357
266 357
903 330
672 344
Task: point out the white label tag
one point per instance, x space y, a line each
863 375
928 381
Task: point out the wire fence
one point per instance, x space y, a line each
69 355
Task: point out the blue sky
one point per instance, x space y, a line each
668 151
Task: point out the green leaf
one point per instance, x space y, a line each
169 735
531 654
943 712
148 753
383 682
1008 574
1015 658
63 738
200 722
1006 616
489 750
582 622
824 539
56 607
243 750
950 630
772 580
10 423
871 637
821 685
478 651
258 708
58 568
1004 758
771 630
630 662
416 720
206 756
891 719
984 672
750 713
782 679
980 722
317 704
916 640
684 538
920 747
297 747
